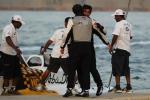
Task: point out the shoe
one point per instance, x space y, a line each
116 89
40 87
1 91
68 93
99 90
127 89
12 90
5 92
83 94
75 91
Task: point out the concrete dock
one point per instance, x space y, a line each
138 95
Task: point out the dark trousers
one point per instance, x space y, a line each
93 69
80 60
9 66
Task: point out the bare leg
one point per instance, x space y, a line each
44 77
128 79
6 82
6 86
128 87
117 88
117 79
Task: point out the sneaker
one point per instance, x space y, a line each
11 90
83 94
99 90
40 87
75 91
116 90
1 91
127 90
68 93
5 92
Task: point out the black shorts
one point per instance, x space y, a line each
9 66
120 63
56 63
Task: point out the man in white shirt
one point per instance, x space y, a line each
57 59
9 54
122 35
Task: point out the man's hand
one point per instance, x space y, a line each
42 50
62 50
110 49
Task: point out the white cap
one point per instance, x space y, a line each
18 18
119 12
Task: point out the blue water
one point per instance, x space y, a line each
40 26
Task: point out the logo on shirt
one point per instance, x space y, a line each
127 28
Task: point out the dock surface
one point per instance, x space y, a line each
138 95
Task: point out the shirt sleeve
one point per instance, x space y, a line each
54 36
116 30
7 31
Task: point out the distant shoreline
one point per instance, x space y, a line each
67 10
66 5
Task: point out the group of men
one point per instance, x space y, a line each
74 51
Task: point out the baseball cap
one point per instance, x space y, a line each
119 12
18 18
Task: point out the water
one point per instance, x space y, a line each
41 25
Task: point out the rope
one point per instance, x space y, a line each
129 3
30 76
83 2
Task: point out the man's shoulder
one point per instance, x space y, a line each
119 24
123 22
58 31
82 18
8 27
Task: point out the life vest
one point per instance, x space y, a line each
82 29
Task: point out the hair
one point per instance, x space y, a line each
85 6
77 9
67 19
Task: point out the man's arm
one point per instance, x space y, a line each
100 35
10 43
49 42
114 39
67 39
101 28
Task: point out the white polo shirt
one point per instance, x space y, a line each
57 39
9 30
124 31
